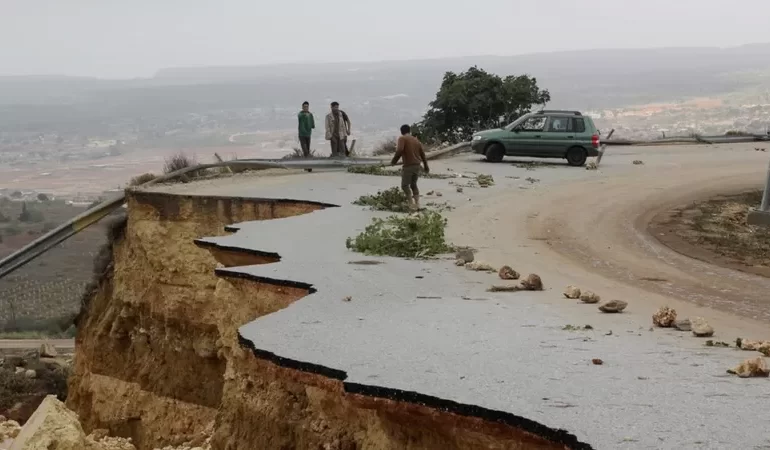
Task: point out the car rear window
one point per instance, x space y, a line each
579 125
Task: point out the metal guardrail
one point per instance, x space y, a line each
720 139
63 232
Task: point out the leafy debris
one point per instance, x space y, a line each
417 235
392 199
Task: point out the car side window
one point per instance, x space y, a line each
580 125
560 125
533 124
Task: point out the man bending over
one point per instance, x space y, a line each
410 149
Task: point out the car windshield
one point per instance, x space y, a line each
518 121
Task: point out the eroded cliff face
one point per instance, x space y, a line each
158 357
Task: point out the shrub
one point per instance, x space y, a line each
178 161
141 179
392 199
14 387
414 236
42 197
387 147
30 215
297 154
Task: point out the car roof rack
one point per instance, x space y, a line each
559 111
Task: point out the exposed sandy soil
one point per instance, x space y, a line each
716 231
592 231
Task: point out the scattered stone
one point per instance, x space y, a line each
572 292
638 162
613 306
597 361
347 298
532 283
507 273
47 350
532 180
439 194
465 254
569 327
711 343
479 266
20 370
51 426
701 328
504 288
459 262
683 324
589 297
759 346
430 193
31 374
591 166
665 317
9 429
754 367
459 189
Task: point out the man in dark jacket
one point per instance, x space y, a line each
306 125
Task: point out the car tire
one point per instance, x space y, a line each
495 153
576 156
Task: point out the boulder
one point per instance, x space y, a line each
9 429
51 426
29 373
465 254
572 292
701 328
47 350
479 266
532 283
589 297
459 262
613 306
664 317
507 273
683 324
754 367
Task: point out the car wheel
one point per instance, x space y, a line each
576 156
495 153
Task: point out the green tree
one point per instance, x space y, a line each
30 215
475 100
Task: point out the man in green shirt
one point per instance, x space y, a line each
306 126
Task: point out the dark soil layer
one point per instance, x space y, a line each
715 231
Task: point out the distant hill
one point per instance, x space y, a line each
589 79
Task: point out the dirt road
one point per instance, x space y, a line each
590 229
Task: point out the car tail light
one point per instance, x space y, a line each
595 141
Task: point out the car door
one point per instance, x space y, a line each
559 136
526 139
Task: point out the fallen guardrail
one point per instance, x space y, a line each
29 252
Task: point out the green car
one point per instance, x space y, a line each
542 134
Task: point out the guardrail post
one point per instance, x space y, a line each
761 216
766 193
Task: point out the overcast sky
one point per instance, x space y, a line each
129 38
